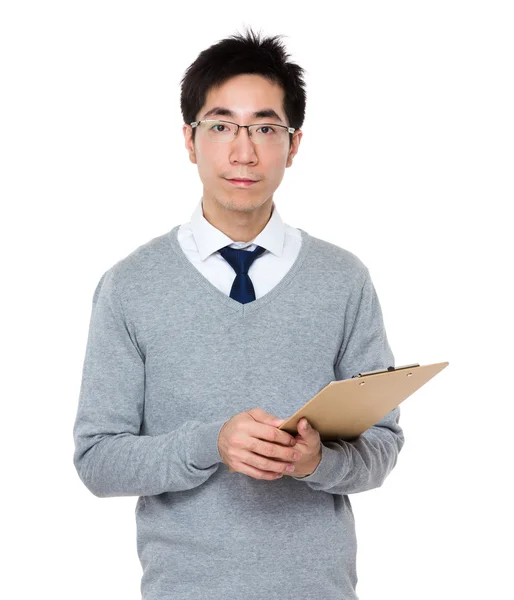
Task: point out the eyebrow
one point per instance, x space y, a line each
220 111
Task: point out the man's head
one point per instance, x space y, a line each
245 80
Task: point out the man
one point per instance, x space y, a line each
203 340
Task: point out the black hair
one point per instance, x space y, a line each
238 55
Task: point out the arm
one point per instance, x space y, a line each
110 456
348 467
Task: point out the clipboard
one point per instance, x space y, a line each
345 409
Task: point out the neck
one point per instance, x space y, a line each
241 223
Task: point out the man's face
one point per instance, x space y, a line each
242 95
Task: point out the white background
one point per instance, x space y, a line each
406 161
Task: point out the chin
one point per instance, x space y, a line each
243 204
240 201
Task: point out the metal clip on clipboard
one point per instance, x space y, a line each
384 370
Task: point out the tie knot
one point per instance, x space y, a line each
240 260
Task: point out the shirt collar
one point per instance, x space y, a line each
209 239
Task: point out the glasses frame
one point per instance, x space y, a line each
247 127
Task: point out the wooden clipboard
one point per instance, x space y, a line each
345 409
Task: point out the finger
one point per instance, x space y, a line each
263 417
271 434
305 428
263 463
247 469
273 451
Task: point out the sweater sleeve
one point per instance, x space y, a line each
111 457
348 467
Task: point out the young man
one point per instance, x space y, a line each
204 339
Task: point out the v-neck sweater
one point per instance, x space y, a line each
169 359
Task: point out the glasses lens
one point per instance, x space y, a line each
268 134
219 131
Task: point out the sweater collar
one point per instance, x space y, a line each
209 239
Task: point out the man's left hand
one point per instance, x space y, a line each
308 444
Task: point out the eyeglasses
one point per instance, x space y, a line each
267 134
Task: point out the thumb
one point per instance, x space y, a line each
304 424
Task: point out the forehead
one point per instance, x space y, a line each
245 96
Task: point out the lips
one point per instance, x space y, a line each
241 183
242 179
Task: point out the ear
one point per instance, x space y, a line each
188 139
297 136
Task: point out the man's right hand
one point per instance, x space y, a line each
250 443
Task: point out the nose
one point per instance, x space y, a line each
242 150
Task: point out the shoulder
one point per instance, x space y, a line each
134 271
329 256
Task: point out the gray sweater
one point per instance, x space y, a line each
169 359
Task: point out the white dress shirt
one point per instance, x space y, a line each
201 241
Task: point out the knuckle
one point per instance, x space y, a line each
270 450
287 454
236 441
231 456
263 464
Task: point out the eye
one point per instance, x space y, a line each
266 129
215 127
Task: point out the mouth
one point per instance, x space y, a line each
241 182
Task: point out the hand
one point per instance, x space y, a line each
308 442
250 443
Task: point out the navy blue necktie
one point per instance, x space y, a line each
241 261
